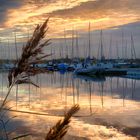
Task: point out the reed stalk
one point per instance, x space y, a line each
58 131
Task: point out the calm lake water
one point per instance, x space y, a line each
110 106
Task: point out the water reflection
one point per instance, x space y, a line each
107 98
66 89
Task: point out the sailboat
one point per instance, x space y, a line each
133 74
94 69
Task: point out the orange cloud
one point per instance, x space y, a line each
70 14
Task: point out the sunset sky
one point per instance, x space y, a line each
114 17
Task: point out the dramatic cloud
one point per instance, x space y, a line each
69 13
5 5
113 13
107 9
109 15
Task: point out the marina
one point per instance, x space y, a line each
70 70
105 89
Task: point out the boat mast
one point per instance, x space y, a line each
9 56
16 46
89 42
61 50
101 46
72 51
117 50
133 52
77 44
126 50
122 44
66 44
60 53
110 48
85 50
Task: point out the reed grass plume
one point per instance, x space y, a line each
32 53
58 131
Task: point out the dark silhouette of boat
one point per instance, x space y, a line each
91 78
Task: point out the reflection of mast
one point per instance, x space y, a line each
73 91
101 86
124 94
51 79
111 87
66 92
77 88
40 84
37 84
102 93
133 87
117 82
90 96
29 92
62 84
54 75
125 88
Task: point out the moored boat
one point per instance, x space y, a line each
94 69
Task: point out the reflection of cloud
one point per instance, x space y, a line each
53 103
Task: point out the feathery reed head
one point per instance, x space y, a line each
60 129
32 53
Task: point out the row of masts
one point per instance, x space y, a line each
73 50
